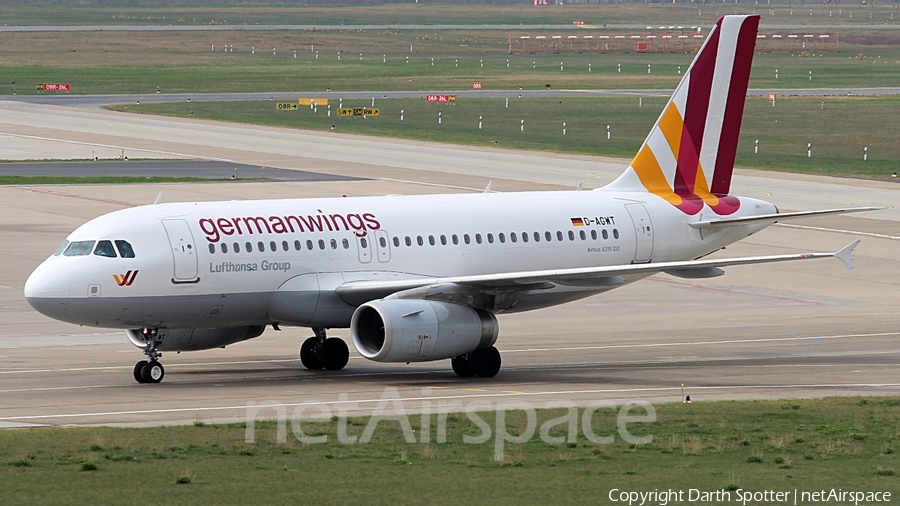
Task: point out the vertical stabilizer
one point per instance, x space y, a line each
688 158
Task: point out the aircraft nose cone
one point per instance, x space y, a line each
47 290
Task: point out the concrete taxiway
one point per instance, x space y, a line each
800 329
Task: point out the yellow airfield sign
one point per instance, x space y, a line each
310 101
358 111
285 106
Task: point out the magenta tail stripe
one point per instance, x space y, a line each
734 108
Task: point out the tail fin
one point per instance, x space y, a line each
689 155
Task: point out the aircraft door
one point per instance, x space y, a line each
643 231
365 249
184 251
382 245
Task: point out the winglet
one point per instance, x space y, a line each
158 199
846 254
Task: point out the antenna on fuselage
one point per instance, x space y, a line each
579 187
158 199
487 189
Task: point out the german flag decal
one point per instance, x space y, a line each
577 222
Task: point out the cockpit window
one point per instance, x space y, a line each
125 249
79 248
61 248
105 249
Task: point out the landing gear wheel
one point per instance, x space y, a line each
153 372
485 363
461 366
308 355
138 367
333 354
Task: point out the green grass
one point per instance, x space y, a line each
29 180
848 443
838 133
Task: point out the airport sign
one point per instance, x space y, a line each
440 99
54 87
358 111
477 85
286 106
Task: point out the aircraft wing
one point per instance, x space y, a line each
359 292
776 217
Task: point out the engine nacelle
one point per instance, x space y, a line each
416 330
194 339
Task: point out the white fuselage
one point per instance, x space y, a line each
224 264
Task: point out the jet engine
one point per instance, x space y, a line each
416 330
193 339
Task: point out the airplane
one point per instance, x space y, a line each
421 278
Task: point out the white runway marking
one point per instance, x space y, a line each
459 397
110 146
840 231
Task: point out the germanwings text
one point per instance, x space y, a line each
216 229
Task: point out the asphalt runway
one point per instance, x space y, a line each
95 101
804 329
204 169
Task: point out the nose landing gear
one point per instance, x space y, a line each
149 371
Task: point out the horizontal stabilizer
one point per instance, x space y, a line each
774 218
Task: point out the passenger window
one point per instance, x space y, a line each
594 235
443 240
261 246
382 242
396 242
78 249
524 236
224 247
537 237
581 234
346 243
559 236
408 241
615 233
466 239
297 245
248 247
273 246
478 238
512 237
455 239
322 244
236 247
309 244
548 236
431 240
212 249
571 235
419 240
125 249
362 242
605 234
105 249
501 237
490 238
284 246
334 244
61 248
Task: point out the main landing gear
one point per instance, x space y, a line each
149 371
320 352
483 363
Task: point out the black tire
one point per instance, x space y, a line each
461 367
485 363
333 354
138 367
308 355
153 372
